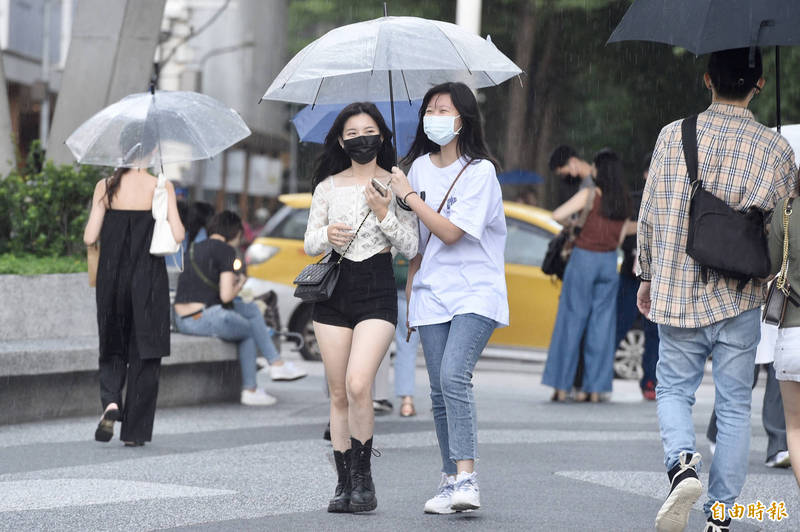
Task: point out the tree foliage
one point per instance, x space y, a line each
575 88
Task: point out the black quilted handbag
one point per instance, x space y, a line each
317 281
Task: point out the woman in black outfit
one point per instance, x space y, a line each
132 292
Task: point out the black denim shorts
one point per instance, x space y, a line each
365 291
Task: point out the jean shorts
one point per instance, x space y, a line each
365 291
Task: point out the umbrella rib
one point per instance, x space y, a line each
97 139
289 77
317 93
454 48
405 84
192 133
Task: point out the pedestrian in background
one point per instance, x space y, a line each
588 299
352 215
456 287
787 337
744 164
132 292
206 304
574 173
627 311
406 344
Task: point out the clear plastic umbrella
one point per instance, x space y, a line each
151 129
354 62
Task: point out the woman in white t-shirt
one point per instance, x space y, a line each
456 285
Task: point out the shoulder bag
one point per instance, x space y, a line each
560 247
163 243
780 292
317 281
715 228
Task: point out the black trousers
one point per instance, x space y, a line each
139 408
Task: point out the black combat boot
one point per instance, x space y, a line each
341 498
362 496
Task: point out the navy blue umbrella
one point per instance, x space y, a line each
704 26
519 177
313 124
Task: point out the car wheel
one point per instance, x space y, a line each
301 324
628 357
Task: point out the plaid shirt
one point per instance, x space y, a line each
741 162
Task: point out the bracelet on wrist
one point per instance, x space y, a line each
405 198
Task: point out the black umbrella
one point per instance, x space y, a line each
705 26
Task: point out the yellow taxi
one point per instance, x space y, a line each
276 256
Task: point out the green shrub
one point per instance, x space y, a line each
27 264
44 208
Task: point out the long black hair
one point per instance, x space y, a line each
334 159
615 204
470 139
137 140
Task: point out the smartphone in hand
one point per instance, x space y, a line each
380 187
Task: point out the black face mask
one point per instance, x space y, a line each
362 149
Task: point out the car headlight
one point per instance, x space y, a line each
258 253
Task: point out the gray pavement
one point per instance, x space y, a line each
544 466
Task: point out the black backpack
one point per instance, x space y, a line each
732 243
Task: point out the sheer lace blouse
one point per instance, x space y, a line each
346 204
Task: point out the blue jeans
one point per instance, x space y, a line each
682 357
405 359
587 303
626 315
244 324
451 351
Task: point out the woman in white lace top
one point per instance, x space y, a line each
353 215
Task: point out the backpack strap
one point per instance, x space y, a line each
689 133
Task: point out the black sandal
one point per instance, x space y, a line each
105 429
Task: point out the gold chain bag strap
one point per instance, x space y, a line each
780 292
317 281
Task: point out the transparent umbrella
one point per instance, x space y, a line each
353 62
154 128
376 59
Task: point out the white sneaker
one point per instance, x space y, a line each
440 503
466 495
286 372
780 459
258 397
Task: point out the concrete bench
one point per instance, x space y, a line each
49 350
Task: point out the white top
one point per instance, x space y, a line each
348 205
468 276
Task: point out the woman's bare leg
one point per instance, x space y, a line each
790 392
334 344
371 339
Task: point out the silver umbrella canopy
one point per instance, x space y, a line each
151 129
357 61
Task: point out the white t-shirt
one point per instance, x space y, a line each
468 276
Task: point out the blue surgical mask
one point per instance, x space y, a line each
440 129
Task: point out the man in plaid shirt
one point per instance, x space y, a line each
745 164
